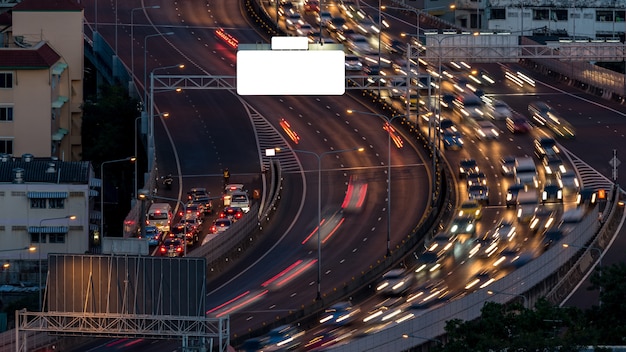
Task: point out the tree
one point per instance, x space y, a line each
608 319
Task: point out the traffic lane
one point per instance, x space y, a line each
599 123
195 144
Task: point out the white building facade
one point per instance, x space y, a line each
46 204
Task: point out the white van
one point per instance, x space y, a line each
241 200
160 215
526 172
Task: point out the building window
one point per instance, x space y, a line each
56 203
559 15
38 203
498 14
604 16
6 113
6 80
56 237
34 237
6 146
541 14
620 15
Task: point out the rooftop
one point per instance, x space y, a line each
44 170
48 5
35 57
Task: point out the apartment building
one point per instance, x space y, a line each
41 79
46 204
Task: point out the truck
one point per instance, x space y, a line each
526 172
527 204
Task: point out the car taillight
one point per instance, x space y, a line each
179 249
238 215
213 229
163 249
222 215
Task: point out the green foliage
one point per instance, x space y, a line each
546 327
108 125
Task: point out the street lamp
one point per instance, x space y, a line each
182 219
493 292
151 114
406 336
389 120
70 217
132 160
592 248
132 37
319 208
145 60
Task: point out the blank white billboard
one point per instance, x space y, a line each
291 72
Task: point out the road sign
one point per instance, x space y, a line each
614 162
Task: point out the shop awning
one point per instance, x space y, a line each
40 195
48 229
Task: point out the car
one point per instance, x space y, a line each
470 208
282 338
586 196
397 87
428 262
189 233
512 192
232 213
552 193
487 245
196 192
553 165
505 229
478 192
337 24
568 181
395 282
286 9
542 221
294 21
204 203
462 228
441 244
192 219
153 235
241 200
360 45
353 63
311 6
499 110
304 30
228 191
550 237
486 130
452 139
172 247
476 178
518 124
507 166
221 225
339 314
192 208
546 147
468 166
323 17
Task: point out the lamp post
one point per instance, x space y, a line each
184 212
132 37
131 159
389 120
319 209
436 133
493 292
406 336
151 113
70 217
145 61
591 248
